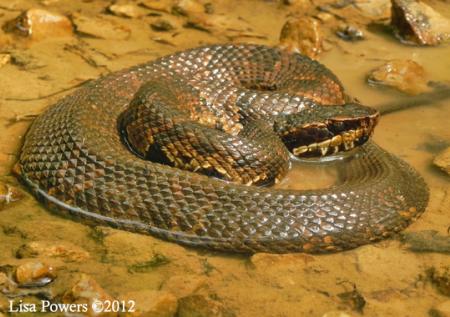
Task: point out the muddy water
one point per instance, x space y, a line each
388 276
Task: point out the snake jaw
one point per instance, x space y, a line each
340 133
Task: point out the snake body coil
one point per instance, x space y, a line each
75 159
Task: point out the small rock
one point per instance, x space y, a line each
441 310
162 25
417 23
350 33
336 313
25 60
324 16
100 28
377 10
66 251
200 306
126 10
86 291
151 303
303 35
184 285
8 194
209 8
404 75
40 24
188 8
4 59
354 299
7 285
33 274
440 277
221 24
442 160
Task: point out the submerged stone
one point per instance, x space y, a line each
4 59
87 291
405 75
126 10
350 33
66 251
303 35
34 274
8 194
442 160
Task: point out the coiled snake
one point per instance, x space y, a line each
130 149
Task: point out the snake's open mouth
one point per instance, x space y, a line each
339 132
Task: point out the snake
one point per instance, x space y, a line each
188 147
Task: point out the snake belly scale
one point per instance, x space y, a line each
75 158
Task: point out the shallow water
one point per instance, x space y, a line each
391 279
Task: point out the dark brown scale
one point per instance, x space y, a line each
224 105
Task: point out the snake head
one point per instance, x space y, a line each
327 130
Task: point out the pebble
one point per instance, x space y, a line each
442 160
151 303
184 285
440 278
201 306
441 310
127 10
7 285
188 8
417 23
40 24
66 251
405 75
85 291
25 60
302 35
162 25
376 10
34 274
4 59
350 33
8 194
